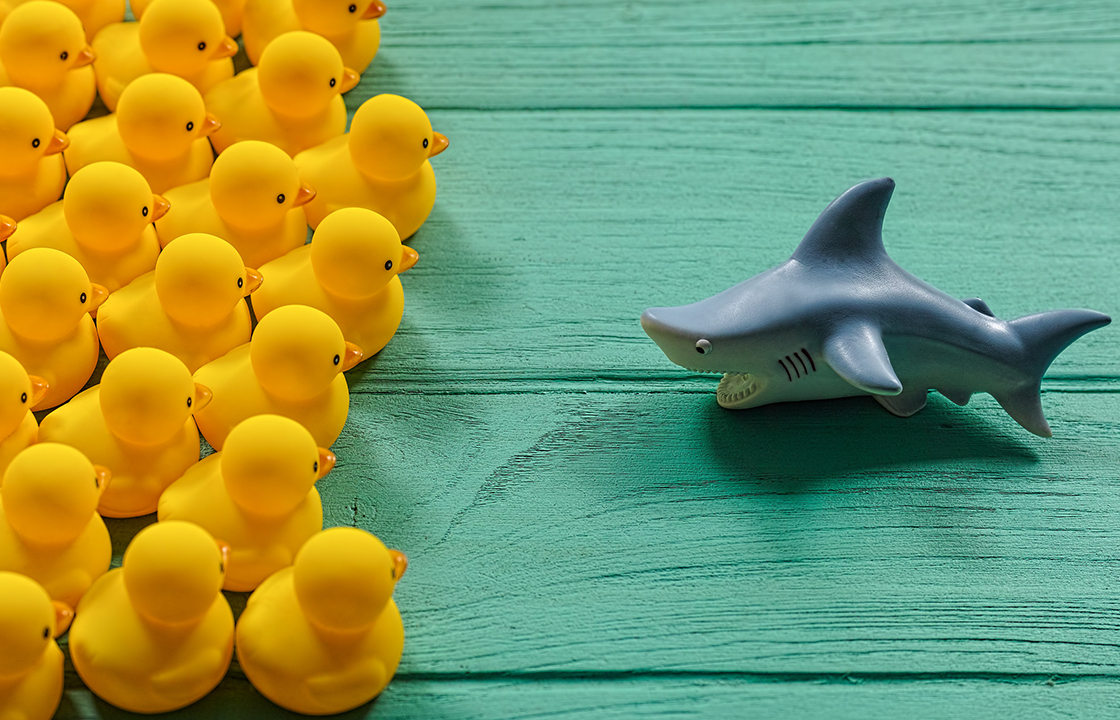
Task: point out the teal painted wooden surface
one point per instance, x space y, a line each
589 535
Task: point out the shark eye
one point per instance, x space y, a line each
703 346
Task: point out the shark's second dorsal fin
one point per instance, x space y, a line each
979 306
851 228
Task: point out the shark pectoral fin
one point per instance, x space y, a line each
960 397
979 306
857 354
904 404
1024 405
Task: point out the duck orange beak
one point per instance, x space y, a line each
104 477
253 280
85 56
227 48
224 551
100 294
210 125
7 227
39 388
202 397
439 144
352 357
350 80
63 616
400 563
327 460
160 207
375 10
305 195
408 258
59 142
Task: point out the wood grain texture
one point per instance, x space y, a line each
529 54
552 231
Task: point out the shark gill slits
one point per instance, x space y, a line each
810 358
786 369
802 362
793 366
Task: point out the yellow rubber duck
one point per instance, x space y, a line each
292 100
104 221
324 636
257 494
32 173
253 200
94 14
350 25
180 37
49 527
192 306
156 634
18 392
138 422
45 301
31 664
43 49
381 164
349 272
231 10
161 128
292 367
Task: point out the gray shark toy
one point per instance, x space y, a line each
840 318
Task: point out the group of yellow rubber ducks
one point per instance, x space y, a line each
163 244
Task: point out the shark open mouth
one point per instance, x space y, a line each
737 390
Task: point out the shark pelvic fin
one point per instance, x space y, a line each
960 397
851 228
856 353
904 404
1025 407
979 306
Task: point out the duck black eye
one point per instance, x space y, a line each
703 347
393 573
65 55
315 467
23 398
144 212
425 143
388 264
280 198
35 143
222 568
82 297
190 126
202 46
96 481
353 8
46 632
337 359
332 82
240 282
189 401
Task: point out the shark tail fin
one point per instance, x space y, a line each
1044 337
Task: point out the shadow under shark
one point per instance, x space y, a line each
840 318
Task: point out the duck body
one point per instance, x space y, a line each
339 183
120 60
193 212
143 666
304 669
133 317
367 322
49 229
99 140
25 434
231 10
238 395
66 363
36 693
246 116
69 100
259 544
140 472
24 194
65 572
265 20
94 14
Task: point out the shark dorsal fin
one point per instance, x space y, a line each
851 228
979 306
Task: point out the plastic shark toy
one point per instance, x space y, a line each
840 318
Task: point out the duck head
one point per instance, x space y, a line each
200 280
28 621
45 293
27 132
160 116
19 392
108 205
50 494
391 138
356 252
336 17
254 185
300 73
173 572
297 352
40 42
182 37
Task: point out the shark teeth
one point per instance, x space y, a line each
736 390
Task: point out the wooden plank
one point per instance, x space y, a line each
552 231
654 533
718 53
835 698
